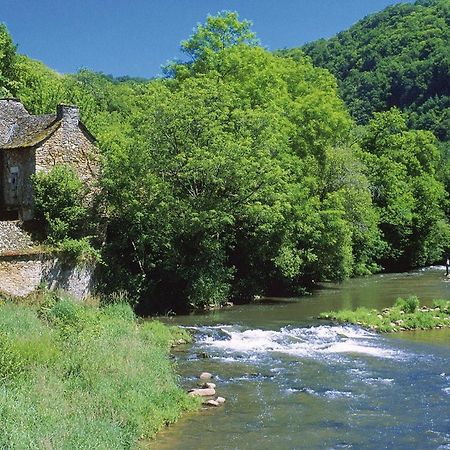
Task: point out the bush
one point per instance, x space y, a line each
408 305
443 305
58 196
79 250
121 311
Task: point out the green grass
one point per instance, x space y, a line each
74 376
406 314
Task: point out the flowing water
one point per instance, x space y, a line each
293 382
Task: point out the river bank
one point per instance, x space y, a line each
78 376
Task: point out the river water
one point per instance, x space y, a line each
293 382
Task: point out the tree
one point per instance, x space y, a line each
7 62
218 192
219 32
402 167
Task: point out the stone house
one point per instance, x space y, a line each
29 144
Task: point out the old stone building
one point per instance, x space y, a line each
29 144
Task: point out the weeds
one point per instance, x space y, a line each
74 376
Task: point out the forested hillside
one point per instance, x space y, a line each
242 173
397 57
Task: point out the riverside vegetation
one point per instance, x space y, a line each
406 314
84 377
241 172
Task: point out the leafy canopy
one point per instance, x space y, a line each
219 32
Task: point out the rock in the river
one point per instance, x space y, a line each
212 403
202 392
208 386
205 376
220 400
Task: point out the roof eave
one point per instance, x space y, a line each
41 137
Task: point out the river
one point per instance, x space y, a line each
293 382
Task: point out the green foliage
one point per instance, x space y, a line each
58 198
404 315
104 380
39 88
11 363
218 193
443 305
120 310
408 305
60 206
397 57
219 32
79 250
7 62
411 201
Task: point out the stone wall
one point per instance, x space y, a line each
69 144
77 280
20 275
13 238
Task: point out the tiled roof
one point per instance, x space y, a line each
30 130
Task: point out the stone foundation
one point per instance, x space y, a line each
13 238
20 275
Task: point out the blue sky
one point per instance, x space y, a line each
134 37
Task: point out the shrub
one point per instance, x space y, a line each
408 305
443 305
120 310
59 205
79 250
65 313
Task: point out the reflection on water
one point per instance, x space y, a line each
292 382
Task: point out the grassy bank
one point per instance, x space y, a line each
406 314
74 376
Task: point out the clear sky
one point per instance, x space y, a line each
135 37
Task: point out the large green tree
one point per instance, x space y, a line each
219 192
402 166
218 33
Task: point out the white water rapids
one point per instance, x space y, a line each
312 342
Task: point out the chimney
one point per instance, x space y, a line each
68 114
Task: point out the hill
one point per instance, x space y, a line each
397 57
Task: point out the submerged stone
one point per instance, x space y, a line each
205 376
